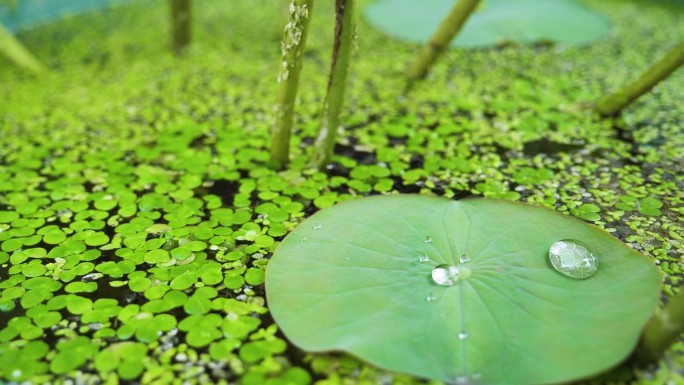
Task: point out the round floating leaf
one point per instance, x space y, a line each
497 21
454 290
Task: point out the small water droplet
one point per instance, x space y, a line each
431 297
317 226
304 239
464 258
462 335
446 275
428 239
347 258
462 380
573 259
423 258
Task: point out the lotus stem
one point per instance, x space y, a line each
440 41
181 25
661 331
16 52
612 105
294 41
337 83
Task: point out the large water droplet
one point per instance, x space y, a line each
423 258
573 259
446 275
428 239
464 258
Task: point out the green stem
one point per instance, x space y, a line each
181 24
294 41
662 331
337 83
613 104
16 52
439 42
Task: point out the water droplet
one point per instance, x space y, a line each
446 275
428 239
347 258
431 297
573 259
317 226
464 258
462 380
303 239
462 335
423 258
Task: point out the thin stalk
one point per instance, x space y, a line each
181 25
440 41
16 52
337 83
661 331
615 103
294 41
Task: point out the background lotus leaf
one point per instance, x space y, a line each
496 21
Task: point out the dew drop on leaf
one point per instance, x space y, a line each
573 259
423 258
446 275
462 335
464 258
428 239
431 297
317 226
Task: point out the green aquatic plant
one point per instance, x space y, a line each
12 48
662 330
495 22
459 291
154 153
292 48
337 83
439 42
613 104
181 24
10 4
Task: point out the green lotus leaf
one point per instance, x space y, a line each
459 290
497 21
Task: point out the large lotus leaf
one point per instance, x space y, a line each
521 21
357 277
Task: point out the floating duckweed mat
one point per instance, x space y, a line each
496 21
147 176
